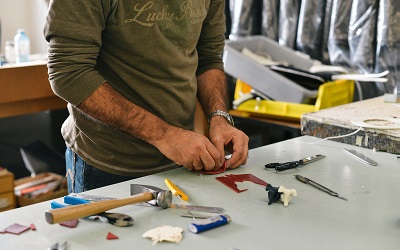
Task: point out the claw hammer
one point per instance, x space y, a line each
152 195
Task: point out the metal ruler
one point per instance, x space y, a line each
206 209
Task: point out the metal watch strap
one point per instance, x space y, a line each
222 113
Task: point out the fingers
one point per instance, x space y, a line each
188 149
236 160
240 152
205 156
196 152
218 141
212 161
233 140
197 165
207 160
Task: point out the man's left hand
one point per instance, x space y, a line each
225 137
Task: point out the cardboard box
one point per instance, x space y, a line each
25 200
6 181
7 197
7 201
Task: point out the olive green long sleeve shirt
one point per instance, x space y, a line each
149 51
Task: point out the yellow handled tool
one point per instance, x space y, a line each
175 190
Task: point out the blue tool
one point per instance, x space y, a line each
115 219
209 223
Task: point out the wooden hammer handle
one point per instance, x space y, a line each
79 211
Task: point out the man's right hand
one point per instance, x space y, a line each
189 149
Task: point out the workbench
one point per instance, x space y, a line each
370 219
337 121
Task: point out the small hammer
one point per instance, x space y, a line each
152 195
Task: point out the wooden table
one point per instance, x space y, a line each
25 89
290 123
337 121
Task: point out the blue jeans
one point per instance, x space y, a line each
83 177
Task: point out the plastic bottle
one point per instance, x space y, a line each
22 46
9 51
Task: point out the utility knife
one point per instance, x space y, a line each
294 164
175 190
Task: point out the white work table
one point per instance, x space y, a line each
370 219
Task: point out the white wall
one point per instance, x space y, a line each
27 14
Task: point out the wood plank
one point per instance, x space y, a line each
31 106
26 89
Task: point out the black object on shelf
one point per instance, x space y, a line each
40 158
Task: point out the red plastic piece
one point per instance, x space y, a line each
70 223
16 229
218 171
111 236
230 180
33 227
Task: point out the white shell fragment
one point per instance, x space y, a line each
286 195
164 233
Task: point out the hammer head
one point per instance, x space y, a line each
161 198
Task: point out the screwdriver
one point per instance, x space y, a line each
318 186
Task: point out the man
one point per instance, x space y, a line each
131 72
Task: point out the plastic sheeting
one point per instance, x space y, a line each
388 44
362 42
362 35
270 19
245 18
338 44
325 31
310 28
288 19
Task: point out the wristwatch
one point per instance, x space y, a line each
218 112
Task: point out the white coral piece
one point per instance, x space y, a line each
164 233
286 195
